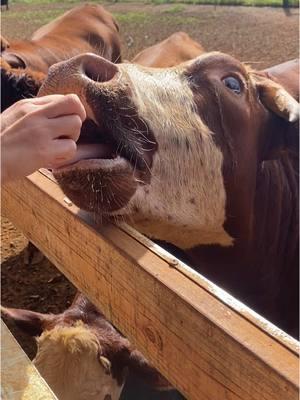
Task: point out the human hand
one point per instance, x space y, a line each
39 132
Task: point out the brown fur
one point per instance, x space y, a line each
174 50
86 28
212 145
80 352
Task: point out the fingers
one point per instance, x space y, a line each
60 152
67 127
46 99
47 107
65 105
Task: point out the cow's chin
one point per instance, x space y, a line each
101 186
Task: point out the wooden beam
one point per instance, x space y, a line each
206 348
19 377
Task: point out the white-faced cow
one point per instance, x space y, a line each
222 138
81 355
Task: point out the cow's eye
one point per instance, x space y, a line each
233 84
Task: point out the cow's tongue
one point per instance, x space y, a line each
91 151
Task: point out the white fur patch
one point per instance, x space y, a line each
185 203
68 359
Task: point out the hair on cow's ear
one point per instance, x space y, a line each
30 322
4 43
117 25
278 100
18 84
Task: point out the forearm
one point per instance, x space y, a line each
10 162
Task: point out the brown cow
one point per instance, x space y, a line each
81 355
83 322
174 50
86 28
206 130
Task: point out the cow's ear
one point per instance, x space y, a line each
4 43
275 98
30 322
14 60
18 84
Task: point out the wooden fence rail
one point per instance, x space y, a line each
204 342
19 378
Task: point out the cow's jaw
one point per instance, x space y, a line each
69 360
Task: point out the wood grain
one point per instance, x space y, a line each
20 380
207 349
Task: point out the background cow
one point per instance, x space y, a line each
177 48
25 63
82 356
4 3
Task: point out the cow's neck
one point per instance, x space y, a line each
256 270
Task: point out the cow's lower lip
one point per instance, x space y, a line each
96 164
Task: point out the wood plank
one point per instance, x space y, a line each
246 312
207 349
20 380
266 326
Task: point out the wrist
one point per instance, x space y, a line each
8 160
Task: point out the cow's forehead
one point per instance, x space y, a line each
216 61
213 61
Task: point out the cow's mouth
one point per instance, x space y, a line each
105 172
116 146
98 147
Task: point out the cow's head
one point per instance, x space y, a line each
175 151
18 83
81 355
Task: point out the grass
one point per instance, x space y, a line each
39 17
177 8
257 3
133 17
179 3
35 17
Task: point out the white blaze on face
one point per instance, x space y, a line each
68 359
185 203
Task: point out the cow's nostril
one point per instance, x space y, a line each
98 69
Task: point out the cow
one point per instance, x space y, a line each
83 321
4 3
176 49
4 43
81 355
25 63
222 138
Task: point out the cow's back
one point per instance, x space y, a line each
174 50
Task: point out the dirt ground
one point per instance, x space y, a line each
260 36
